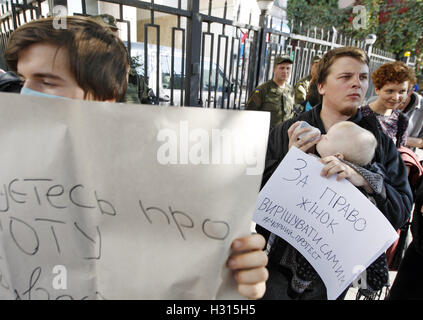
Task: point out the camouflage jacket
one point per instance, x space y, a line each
301 89
137 91
278 101
131 95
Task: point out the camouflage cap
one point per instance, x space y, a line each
282 59
107 20
316 58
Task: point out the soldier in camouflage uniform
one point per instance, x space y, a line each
275 95
303 85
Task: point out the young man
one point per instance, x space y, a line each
87 61
342 81
83 61
275 95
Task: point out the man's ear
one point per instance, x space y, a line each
321 89
339 156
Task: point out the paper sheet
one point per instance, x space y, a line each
114 201
331 223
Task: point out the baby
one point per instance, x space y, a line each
347 141
350 142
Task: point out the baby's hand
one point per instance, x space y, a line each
305 124
303 138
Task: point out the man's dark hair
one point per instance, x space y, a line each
98 59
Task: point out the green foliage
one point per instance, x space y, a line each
404 30
400 30
321 14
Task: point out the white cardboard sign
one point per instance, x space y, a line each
114 201
331 223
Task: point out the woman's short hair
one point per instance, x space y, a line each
98 59
393 72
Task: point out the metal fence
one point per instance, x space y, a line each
200 58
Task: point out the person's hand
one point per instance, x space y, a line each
414 142
335 166
306 142
248 262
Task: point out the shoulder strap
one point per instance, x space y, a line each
372 124
402 127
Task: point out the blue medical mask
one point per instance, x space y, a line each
30 92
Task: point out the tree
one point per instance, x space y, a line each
398 25
322 14
403 28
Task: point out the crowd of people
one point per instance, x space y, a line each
88 61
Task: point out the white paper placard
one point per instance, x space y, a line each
331 223
114 201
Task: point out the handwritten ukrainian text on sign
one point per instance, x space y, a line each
92 208
331 223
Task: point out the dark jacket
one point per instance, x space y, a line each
9 82
395 199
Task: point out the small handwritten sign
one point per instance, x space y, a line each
91 207
331 223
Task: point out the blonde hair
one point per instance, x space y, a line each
361 146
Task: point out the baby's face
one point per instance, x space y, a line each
330 143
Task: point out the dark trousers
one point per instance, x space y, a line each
278 286
408 284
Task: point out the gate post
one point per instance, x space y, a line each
263 23
192 79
